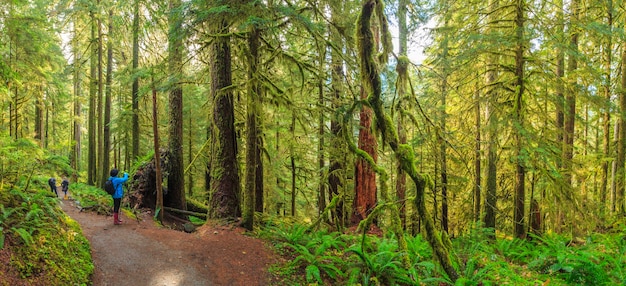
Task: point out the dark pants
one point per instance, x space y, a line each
116 205
54 190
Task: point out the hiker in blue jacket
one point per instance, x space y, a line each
119 192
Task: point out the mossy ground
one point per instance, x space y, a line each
41 244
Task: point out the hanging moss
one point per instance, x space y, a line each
372 83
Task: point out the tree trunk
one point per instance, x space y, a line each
621 156
336 168
100 173
520 194
442 117
93 90
252 130
107 103
157 158
371 79
570 103
364 177
225 188
477 159
135 87
321 126
176 178
606 146
403 77
75 155
492 145
39 117
292 160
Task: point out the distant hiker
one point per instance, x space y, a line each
65 186
52 182
119 192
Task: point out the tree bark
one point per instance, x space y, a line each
364 178
520 194
477 158
489 219
336 168
403 77
621 156
93 90
404 153
252 131
135 87
225 188
157 158
606 86
176 178
107 103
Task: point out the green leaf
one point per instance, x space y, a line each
313 272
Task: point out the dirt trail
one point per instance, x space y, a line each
140 253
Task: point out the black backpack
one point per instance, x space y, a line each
109 188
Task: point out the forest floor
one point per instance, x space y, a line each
139 252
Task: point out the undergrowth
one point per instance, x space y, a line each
45 245
332 258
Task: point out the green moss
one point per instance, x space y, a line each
46 245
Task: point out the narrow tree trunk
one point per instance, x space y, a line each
75 155
321 124
176 177
606 146
560 101
157 158
520 192
570 103
135 87
252 129
100 173
621 156
107 103
442 117
39 117
336 168
403 77
492 145
93 89
477 159
292 160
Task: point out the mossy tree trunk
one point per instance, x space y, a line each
520 194
606 88
403 96
135 87
107 102
336 168
224 188
176 177
404 153
252 140
489 219
93 89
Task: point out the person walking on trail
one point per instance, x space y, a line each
64 187
52 182
119 192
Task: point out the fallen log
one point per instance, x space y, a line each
185 212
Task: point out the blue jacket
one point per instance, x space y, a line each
117 183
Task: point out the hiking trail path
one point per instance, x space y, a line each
140 253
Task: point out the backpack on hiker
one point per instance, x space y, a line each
109 188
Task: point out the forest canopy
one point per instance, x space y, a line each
511 117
